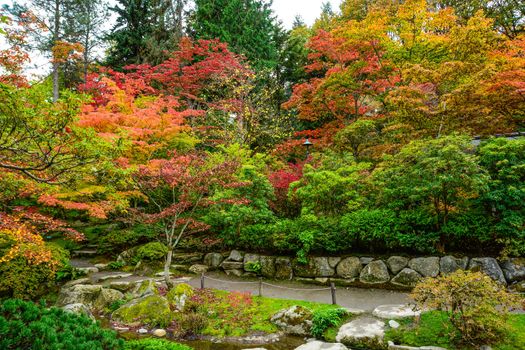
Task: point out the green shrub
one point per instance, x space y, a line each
154 344
326 318
476 306
25 325
253 266
114 240
23 280
153 251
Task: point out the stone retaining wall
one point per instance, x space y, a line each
398 272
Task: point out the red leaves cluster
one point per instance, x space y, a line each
345 72
281 180
32 218
14 57
151 105
178 186
95 210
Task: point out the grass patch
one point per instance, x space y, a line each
435 329
239 314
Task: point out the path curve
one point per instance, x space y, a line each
358 299
352 298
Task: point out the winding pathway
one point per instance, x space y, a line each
357 299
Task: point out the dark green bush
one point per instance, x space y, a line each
154 344
25 325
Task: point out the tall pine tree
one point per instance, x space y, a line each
144 31
248 26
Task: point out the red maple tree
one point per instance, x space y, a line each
177 188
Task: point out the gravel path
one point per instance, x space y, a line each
352 298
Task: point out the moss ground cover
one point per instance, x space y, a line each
238 314
434 328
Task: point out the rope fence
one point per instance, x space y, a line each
260 284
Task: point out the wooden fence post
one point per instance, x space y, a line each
202 280
260 287
332 289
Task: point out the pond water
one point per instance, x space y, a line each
284 343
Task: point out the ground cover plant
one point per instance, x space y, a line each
434 328
239 314
153 344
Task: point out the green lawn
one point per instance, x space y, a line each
435 329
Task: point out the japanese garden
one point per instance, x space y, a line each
200 174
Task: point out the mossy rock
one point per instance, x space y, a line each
152 310
296 320
180 294
145 288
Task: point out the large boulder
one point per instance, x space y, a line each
333 261
319 345
234 272
449 264
85 294
364 331
514 269
144 288
390 312
490 267
375 273
107 297
349 268
268 266
427 267
232 265
397 263
122 286
127 256
152 310
296 320
213 260
235 255
79 309
198 269
315 267
187 258
84 280
283 268
406 278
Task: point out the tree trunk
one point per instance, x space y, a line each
55 82
167 265
56 31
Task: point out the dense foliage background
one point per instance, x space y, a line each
189 131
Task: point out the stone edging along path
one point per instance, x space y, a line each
394 272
